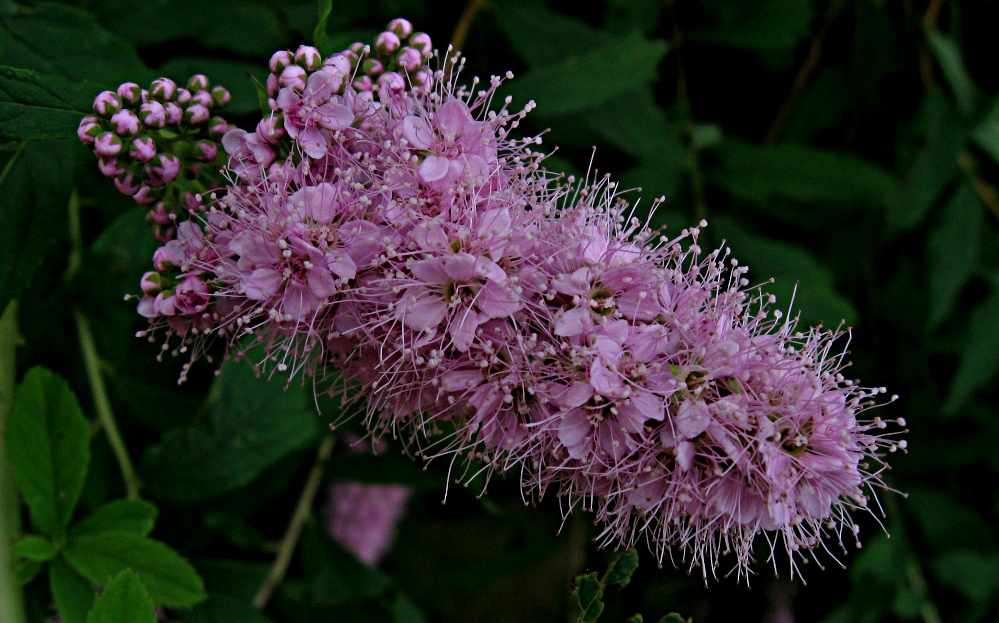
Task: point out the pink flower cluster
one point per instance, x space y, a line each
399 247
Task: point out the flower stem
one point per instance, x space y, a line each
102 404
11 597
294 530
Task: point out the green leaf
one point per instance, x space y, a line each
251 423
772 25
580 82
170 579
636 618
27 570
34 107
588 593
987 132
406 611
948 55
48 447
35 185
336 575
946 522
383 469
636 125
36 548
978 364
621 569
124 600
55 39
673 617
72 593
973 573
542 37
231 588
134 516
953 248
320 36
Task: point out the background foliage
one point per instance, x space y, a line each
846 148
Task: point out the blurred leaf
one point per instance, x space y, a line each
48 442
591 79
73 594
234 530
761 26
231 587
406 611
36 548
636 125
821 106
170 579
134 516
320 36
251 423
973 573
124 600
588 593
35 185
979 360
934 166
947 522
236 76
638 15
53 38
543 37
987 132
622 568
156 407
951 61
25 571
334 574
801 173
953 250
34 107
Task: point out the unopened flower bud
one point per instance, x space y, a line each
338 63
409 58
221 95
162 169
191 202
401 27
372 67
363 83
107 103
387 43
357 48
280 60
127 183
107 145
163 90
183 97
163 257
293 77
271 128
174 114
273 85
153 115
204 98
391 84
130 93
308 57
192 295
88 129
151 282
110 167
205 150
196 114
126 123
217 127
351 56
144 196
421 41
420 78
197 82
142 149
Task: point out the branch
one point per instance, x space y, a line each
11 596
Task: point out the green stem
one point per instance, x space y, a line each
11 597
102 403
294 530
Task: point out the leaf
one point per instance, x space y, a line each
36 548
124 600
987 132
978 362
973 573
134 516
55 39
953 248
579 82
946 522
72 593
951 62
335 575
34 107
636 125
251 424
25 571
35 185
673 617
47 441
542 37
320 36
588 593
170 579
773 25
636 618
406 611
231 588
621 569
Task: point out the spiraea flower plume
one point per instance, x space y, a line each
388 239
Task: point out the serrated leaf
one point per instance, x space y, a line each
542 37
55 39
621 568
124 600
591 79
170 580
251 423
34 547
34 107
134 516
588 593
72 593
978 363
951 61
952 250
47 441
35 185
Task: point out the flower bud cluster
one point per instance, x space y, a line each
407 252
160 144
